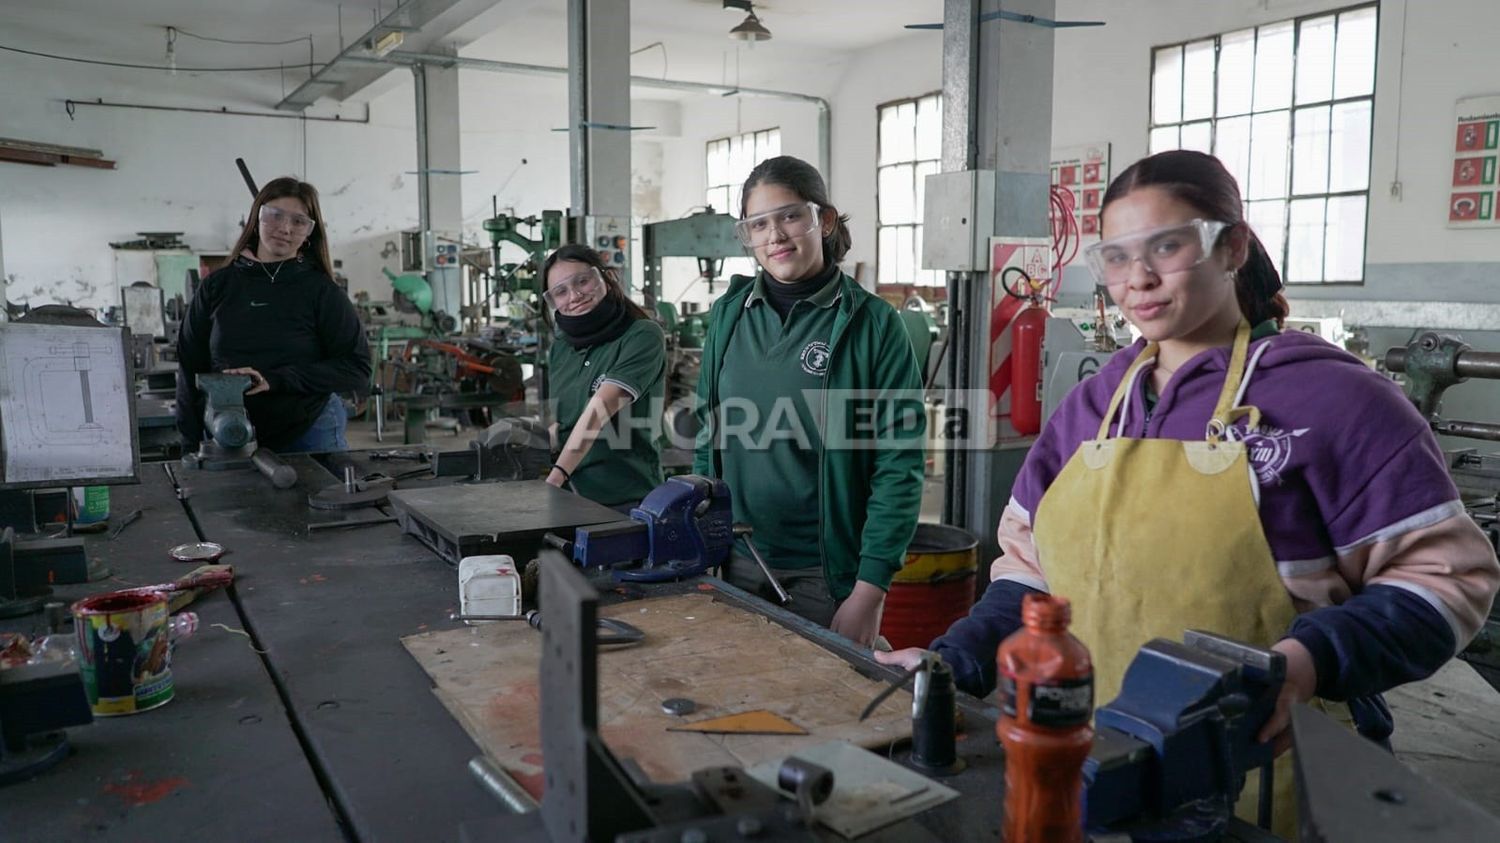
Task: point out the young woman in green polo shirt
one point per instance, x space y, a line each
786 353
606 375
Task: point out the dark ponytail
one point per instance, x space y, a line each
803 179
1202 181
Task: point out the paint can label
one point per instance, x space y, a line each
125 652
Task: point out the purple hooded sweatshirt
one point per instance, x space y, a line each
1366 527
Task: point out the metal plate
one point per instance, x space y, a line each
201 552
490 518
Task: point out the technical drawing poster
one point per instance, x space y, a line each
1472 197
65 404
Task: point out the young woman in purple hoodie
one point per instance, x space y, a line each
1223 475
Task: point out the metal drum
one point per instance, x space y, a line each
934 588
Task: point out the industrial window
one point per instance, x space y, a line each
730 161
1287 107
910 146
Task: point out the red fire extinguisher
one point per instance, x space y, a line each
1026 368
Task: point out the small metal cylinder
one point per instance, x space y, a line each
811 783
501 785
281 475
933 735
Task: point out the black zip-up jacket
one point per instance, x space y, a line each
299 331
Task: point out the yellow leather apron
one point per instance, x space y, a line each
1152 537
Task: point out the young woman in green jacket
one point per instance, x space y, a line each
810 409
606 375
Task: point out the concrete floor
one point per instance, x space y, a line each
1447 727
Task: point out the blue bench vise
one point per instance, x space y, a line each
1172 752
683 528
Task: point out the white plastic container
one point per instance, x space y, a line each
488 585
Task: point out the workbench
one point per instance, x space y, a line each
333 730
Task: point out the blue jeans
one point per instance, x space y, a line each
327 431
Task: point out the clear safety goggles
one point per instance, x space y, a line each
276 218
1173 248
587 284
791 220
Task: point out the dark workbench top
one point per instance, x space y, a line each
328 604
220 761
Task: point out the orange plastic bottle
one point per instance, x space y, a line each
1047 697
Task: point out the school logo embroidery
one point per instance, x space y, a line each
1270 450
815 358
598 382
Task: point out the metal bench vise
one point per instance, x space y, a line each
231 436
682 529
1172 752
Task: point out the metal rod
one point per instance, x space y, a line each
1468 430
501 785
745 531
825 114
99 103
1469 364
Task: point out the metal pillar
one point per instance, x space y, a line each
439 194
599 106
997 125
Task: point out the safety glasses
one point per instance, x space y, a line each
587 285
276 218
791 221
1161 250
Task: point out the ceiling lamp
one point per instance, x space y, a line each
751 29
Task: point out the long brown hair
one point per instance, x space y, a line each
583 254
803 179
1202 181
314 249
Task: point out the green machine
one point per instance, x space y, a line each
707 237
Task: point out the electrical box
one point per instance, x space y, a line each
958 220
609 236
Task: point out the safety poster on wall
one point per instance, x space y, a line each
1472 197
1084 172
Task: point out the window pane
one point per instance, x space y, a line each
887 257
1346 239
1198 136
1268 140
1163 139
718 199
1236 71
897 195
1198 80
735 194
1354 69
906 134
1268 221
1166 86
1273 66
925 169
906 253
1315 60
1350 153
1232 145
741 159
773 145
930 128
718 162
1310 151
919 275
1304 257
890 127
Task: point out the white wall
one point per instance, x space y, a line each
176 170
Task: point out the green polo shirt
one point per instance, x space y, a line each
624 463
770 422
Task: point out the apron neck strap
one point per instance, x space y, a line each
1147 355
1225 413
